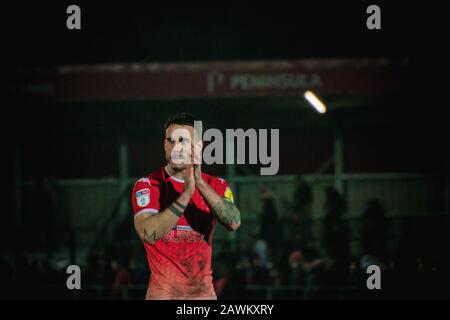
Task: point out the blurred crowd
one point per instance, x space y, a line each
297 262
287 258
25 276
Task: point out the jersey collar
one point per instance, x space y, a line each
173 177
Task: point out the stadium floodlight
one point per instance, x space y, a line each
315 101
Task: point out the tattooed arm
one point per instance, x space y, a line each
151 227
223 209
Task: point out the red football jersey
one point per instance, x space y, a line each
180 262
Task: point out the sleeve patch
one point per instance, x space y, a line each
143 197
229 195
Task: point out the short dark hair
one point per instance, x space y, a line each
184 119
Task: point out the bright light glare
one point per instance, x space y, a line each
315 102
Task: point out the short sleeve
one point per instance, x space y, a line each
223 189
145 196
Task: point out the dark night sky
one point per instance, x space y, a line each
36 34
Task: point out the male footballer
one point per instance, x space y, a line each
175 209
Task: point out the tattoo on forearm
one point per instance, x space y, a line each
175 210
150 238
227 213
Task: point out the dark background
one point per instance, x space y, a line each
113 32
406 133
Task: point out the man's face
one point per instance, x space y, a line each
178 146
